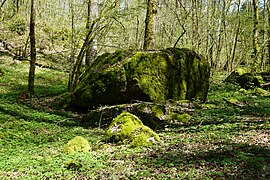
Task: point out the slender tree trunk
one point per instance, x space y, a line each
264 45
255 35
73 46
91 15
235 40
268 61
150 25
17 6
219 35
31 79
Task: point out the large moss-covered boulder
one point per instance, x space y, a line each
153 76
128 128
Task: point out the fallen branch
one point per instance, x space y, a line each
232 103
265 85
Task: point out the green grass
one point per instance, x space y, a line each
224 142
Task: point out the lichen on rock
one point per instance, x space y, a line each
128 128
77 144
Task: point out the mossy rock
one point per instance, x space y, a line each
127 128
152 76
250 81
233 77
77 144
175 118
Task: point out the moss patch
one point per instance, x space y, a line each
77 144
178 118
128 128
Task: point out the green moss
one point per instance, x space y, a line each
261 91
242 90
77 144
209 106
233 100
2 72
240 71
183 101
158 110
128 128
73 165
176 117
122 127
147 70
144 136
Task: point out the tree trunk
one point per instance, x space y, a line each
73 45
268 31
235 40
150 25
31 78
91 15
255 36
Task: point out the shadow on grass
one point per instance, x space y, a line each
12 105
20 112
5 53
232 161
257 111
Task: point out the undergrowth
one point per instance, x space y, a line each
229 140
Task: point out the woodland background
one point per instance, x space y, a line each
223 31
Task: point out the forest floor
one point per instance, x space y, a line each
229 140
